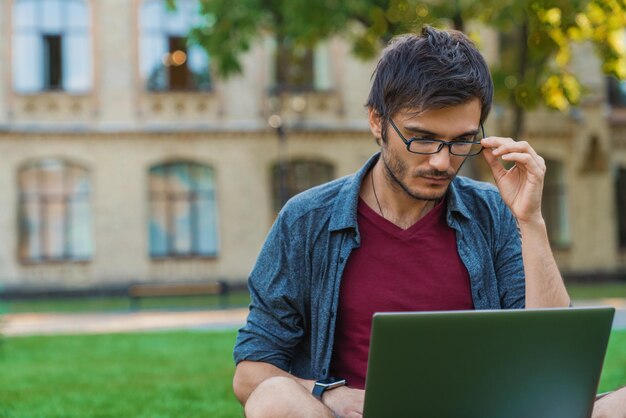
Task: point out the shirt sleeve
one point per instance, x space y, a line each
275 323
509 265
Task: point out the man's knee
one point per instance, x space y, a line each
283 397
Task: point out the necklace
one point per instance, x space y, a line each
380 209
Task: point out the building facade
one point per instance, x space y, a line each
125 159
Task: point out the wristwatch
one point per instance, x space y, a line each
323 385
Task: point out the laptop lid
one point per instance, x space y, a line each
543 363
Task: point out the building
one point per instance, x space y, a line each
125 160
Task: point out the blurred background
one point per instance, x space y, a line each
148 145
155 141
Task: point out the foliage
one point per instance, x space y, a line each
537 35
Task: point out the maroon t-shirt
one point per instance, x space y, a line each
417 269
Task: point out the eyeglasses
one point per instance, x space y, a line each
461 148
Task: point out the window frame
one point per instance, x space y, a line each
157 35
69 32
193 200
557 217
44 199
620 206
291 166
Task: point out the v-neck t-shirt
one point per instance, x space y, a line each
395 270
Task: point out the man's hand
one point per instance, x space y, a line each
612 405
345 402
520 186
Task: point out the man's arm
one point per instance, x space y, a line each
544 285
342 401
521 188
612 405
249 374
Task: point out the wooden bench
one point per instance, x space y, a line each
139 291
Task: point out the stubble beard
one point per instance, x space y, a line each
396 170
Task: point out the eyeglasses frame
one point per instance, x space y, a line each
442 143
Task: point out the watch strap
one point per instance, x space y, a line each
322 386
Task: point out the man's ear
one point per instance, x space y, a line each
376 123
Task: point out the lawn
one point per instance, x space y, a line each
157 375
580 291
122 303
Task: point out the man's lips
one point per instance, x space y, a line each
436 179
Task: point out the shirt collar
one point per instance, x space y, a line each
344 214
345 209
454 201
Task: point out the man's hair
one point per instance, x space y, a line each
433 70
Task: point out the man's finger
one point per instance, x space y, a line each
527 162
497 169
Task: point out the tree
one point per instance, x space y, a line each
536 35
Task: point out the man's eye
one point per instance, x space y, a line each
428 140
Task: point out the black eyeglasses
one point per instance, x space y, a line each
462 148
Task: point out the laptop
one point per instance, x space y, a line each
542 363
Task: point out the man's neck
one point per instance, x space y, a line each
390 201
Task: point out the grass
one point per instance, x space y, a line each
578 291
583 291
121 303
614 370
155 375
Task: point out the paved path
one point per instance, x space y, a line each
98 323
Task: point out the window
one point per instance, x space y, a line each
51 46
620 198
617 92
168 60
296 176
554 204
54 212
183 212
300 68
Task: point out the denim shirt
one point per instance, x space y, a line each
294 285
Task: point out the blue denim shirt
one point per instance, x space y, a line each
294 286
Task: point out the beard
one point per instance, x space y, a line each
396 171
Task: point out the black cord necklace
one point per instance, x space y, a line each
380 209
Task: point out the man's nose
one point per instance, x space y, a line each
441 160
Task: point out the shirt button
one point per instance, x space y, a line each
324 371
479 292
341 260
332 314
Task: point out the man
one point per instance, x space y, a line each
402 234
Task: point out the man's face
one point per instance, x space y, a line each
425 177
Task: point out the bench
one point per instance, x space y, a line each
139 291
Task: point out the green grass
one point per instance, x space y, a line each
596 290
153 375
578 291
121 303
156 375
614 371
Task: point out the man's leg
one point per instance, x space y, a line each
284 397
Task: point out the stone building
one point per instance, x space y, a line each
124 159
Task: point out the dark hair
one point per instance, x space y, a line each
433 70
